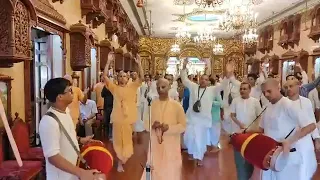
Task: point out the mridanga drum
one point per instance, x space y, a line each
260 150
97 157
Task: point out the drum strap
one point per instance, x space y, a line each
69 138
254 120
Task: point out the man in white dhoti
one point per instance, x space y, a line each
244 110
173 92
144 90
168 122
230 86
279 119
138 125
198 115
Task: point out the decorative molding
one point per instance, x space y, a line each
44 8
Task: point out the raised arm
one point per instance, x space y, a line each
108 82
140 70
184 77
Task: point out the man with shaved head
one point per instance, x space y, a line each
304 105
168 123
198 114
279 119
124 113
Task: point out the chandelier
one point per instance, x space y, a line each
217 48
208 3
183 33
204 36
250 36
182 2
175 48
238 17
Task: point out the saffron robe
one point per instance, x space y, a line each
74 106
124 115
166 157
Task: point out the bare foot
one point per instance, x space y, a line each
199 163
120 167
190 158
214 149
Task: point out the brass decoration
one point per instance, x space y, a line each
158 51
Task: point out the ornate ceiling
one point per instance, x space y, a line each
167 17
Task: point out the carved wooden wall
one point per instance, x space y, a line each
81 42
156 51
315 23
265 43
15 31
105 49
290 31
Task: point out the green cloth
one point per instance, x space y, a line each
215 109
244 169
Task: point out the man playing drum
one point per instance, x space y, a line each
279 119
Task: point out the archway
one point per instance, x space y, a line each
194 67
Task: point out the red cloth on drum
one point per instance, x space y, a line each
238 139
97 157
258 148
254 147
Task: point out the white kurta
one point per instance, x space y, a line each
246 110
309 161
195 136
139 126
277 121
228 86
314 98
256 91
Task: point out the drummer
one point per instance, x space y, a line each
279 119
244 110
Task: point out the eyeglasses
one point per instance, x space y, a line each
68 90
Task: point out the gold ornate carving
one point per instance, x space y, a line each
158 49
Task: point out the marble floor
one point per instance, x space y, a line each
217 166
